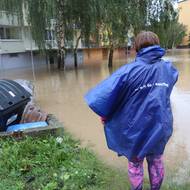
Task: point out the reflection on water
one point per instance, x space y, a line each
62 93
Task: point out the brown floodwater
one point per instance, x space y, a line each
61 93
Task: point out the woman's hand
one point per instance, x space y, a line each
103 120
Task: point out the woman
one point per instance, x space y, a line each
134 103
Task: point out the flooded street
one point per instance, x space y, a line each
61 93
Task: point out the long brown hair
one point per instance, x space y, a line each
145 39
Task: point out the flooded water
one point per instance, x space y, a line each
61 93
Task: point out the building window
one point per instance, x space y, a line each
50 35
13 55
2 33
10 33
13 33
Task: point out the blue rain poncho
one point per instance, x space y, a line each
135 100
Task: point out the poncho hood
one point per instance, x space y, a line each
151 54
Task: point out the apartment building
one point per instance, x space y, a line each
16 43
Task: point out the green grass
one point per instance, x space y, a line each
43 163
50 163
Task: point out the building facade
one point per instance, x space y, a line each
184 18
14 38
16 43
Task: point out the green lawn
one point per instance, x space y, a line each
57 163
49 164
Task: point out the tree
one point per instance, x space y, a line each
104 20
82 18
164 22
113 24
117 18
71 17
137 13
36 14
12 6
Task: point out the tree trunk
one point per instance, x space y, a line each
61 59
110 58
75 52
111 49
61 49
60 34
50 57
75 58
51 60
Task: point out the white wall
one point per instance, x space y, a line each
11 46
8 21
21 60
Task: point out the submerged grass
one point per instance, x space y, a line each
58 163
